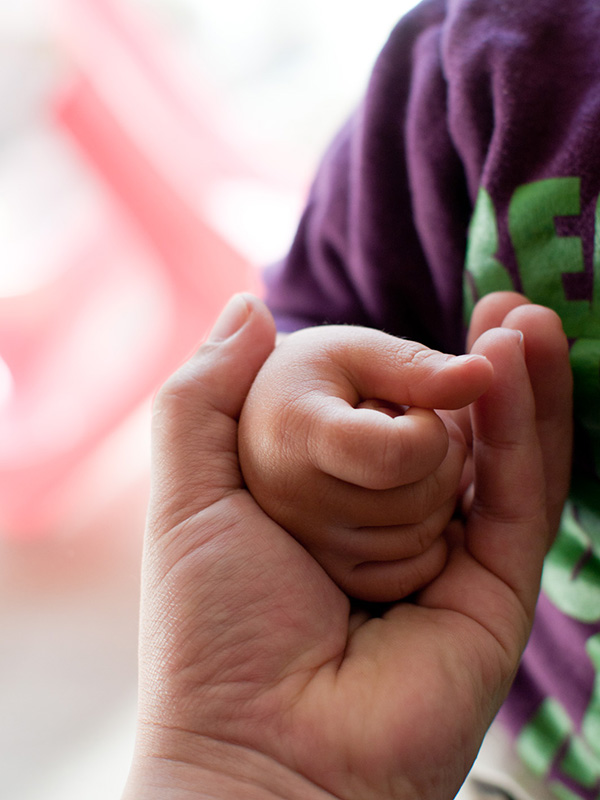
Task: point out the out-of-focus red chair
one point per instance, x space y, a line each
82 352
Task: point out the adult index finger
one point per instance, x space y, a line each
507 528
548 366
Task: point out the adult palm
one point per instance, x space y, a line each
258 679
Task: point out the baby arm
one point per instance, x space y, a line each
369 494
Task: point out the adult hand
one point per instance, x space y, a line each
256 680
553 388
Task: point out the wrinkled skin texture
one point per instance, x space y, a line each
257 680
369 494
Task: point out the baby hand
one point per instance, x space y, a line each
339 443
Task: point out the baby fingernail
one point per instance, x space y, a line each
521 340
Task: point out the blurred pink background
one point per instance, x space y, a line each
153 156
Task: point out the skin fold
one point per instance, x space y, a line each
256 680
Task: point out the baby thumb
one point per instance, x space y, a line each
194 431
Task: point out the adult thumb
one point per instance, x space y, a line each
194 431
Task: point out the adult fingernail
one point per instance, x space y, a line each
231 319
470 358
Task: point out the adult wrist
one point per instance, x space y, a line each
216 771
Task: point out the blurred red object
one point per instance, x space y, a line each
81 353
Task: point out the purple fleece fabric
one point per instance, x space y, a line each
473 165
